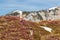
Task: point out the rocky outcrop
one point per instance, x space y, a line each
50 14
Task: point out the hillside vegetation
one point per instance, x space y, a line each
12 28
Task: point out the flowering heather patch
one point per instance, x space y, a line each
12 28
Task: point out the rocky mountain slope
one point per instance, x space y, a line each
36 16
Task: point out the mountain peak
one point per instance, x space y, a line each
53 8
50 14
18 11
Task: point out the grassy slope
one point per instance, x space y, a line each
11 28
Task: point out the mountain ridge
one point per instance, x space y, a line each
35 16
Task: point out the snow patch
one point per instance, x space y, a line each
52 8
46 28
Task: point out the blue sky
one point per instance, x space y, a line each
7 6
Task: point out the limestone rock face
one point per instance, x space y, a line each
35 16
